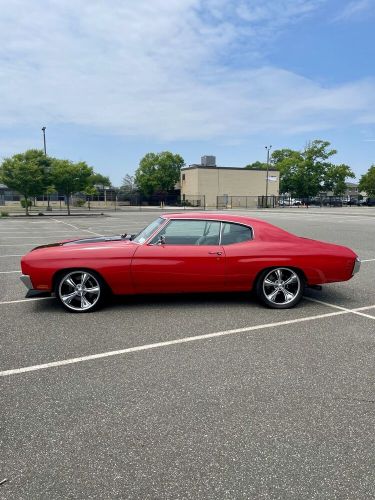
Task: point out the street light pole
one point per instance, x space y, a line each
44 140
45 154
268 166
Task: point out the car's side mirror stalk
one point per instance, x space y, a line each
127 236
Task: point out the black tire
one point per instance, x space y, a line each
75 296
280 287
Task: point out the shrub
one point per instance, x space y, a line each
23 203
79 203
4 213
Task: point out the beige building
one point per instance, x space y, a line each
226 187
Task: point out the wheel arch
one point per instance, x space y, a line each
269 268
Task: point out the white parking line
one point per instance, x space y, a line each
367 260
12 255
183 340
8 272
364 308
353 311
76 227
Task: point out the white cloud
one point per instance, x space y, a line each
157 69
355 9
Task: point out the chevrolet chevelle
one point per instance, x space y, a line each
179 253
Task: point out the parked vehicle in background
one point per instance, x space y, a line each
332 201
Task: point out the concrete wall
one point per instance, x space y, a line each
214 182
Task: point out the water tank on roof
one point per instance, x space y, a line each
208 161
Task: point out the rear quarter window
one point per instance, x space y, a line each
235 233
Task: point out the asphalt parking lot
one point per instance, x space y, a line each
261 404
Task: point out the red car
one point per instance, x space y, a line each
189 252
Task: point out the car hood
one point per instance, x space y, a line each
83 241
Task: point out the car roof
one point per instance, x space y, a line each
215 216
265 230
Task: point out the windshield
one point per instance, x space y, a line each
149 230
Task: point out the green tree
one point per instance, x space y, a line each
158 172
305 173
101 181
257 165
367 181
289 162
90 191
26 173
335 178
69 177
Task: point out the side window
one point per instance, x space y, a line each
190 232
235 233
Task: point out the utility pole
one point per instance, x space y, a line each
268 148
45 154
44 140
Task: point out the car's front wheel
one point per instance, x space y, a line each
280 287
80 290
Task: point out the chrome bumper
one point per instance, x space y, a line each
26 281
357 265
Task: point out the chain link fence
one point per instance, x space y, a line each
243 202
161 200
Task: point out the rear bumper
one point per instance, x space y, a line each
357 266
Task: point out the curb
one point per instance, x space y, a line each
49 216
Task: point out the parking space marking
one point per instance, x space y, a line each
8 272
12 255
353 311
364 308
166 343
76 227
367 260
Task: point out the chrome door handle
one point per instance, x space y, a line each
215 253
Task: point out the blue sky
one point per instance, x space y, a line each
114 80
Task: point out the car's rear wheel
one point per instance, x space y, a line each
80 290
280 287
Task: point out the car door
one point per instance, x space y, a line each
243 255
184 256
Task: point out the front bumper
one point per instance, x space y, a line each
26 280
357 266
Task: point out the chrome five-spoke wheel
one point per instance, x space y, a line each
80 290
280 287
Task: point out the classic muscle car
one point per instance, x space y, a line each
187 252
